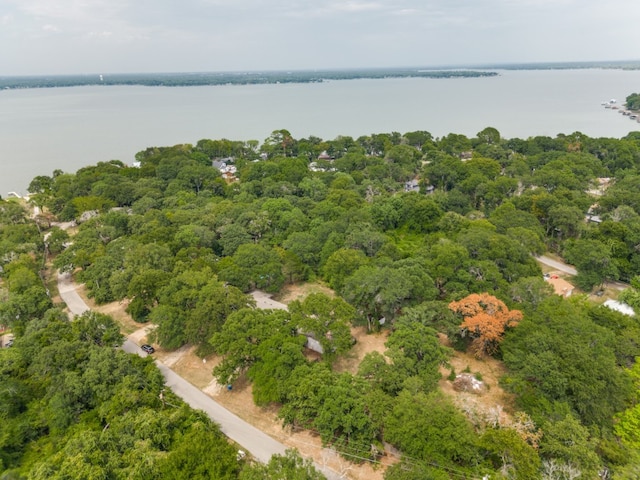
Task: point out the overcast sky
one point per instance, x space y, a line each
111 36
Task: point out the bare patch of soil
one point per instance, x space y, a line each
114 309
300 291
139 337
365 343
610 291
493 401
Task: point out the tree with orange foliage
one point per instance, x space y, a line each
485 320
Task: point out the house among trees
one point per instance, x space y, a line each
412 185
325 156
228 171
591 217
620 307
560 286
314 167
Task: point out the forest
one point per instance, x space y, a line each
432 240
187 79
231 78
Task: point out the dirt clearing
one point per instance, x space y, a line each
493 403
365 343
115 309
301 291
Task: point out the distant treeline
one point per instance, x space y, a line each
619 65
229 78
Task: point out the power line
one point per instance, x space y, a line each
412 461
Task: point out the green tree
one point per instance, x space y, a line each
380 374
11 212
631 295
276 358
379 293
416 351
564 221
489 135
334 405
568 442
306 246
290 466
241 336
144 292
454 144
215 302
232 237
203 454
418 138
409 469
280 142
627 426
530 291
510 454
97 328
56 240
559 356
445 171
593 261
254 266
326 319
428 427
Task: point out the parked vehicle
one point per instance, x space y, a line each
147 348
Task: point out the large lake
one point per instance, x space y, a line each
67 128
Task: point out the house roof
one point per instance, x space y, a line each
620 307
560 286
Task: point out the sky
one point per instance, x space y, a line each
39 37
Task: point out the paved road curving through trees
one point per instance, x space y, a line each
563 267
67 290
258 443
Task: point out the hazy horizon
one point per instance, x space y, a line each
619 63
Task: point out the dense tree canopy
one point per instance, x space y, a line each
400 226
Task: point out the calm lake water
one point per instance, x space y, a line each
67 128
